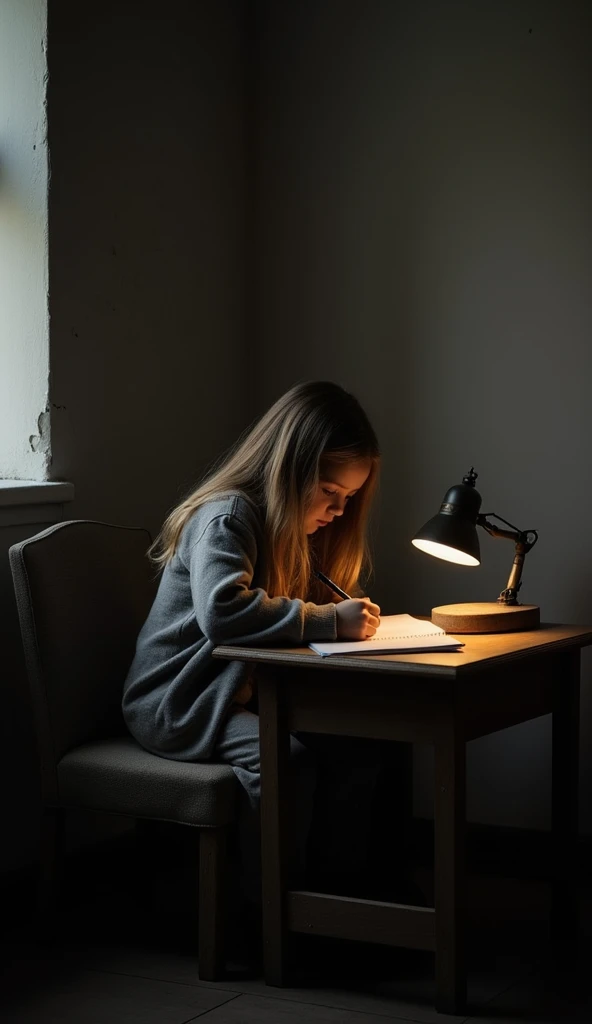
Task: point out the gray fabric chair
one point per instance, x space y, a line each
83 590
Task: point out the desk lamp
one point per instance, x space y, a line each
452 535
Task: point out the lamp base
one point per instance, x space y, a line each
487 617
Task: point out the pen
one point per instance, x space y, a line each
332 586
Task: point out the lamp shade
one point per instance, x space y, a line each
452 533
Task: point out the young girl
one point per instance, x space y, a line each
238 559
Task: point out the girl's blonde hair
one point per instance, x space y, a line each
276 466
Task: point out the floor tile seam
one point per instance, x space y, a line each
211 1009
205 986
210 986
332 1006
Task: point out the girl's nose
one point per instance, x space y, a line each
337 506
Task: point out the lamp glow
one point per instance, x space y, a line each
445 552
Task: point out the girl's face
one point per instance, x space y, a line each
338 482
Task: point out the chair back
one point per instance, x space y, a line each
83 590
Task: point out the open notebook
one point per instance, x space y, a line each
395 633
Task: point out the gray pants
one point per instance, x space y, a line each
334 773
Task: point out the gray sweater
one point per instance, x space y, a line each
176 695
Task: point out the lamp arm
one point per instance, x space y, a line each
524 541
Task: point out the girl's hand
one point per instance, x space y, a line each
357 618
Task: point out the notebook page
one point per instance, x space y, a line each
396 633
397 627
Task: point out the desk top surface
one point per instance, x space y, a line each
479 650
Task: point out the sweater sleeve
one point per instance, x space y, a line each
221 567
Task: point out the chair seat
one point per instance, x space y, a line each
118 776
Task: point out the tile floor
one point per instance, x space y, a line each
123 952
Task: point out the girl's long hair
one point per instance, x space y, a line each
276 466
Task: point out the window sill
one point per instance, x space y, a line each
32 501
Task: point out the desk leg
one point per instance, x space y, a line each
566 732
274 750
449 869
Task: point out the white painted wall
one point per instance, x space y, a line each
425 239
24 327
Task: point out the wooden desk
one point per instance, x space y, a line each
440 698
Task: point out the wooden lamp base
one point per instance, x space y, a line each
487 617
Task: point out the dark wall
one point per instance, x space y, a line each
146 131
425 239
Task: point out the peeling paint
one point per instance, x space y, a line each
40 442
